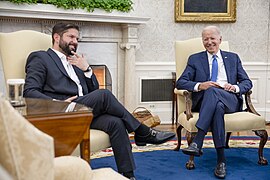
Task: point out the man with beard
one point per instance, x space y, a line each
61 74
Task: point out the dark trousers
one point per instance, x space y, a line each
215 103
112 117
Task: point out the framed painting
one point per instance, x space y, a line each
205 10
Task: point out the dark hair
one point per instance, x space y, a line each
62 27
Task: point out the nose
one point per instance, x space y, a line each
75 40
209 41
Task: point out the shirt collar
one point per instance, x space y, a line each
210 56
59 54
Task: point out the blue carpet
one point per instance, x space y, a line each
170 165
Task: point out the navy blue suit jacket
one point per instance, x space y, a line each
197 70
47 78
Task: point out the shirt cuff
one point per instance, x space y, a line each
89 73
237 89
196 87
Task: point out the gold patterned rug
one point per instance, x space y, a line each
235 142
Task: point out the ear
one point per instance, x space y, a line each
220 39
56 38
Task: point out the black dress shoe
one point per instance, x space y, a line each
192 150
220 170
154 137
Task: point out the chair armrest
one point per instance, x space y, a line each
250 107
188 101
179 92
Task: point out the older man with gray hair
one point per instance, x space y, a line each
218 81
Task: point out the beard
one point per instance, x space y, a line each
65 47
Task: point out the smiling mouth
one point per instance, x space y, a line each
211 46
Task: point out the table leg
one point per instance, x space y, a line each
85 146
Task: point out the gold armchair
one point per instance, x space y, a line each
14 50
235 122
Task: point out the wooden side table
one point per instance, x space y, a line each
67 123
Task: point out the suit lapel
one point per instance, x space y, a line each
81 77
226 64
205 64
57 61
78 72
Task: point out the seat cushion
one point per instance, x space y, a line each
26 152
240 121
107 173
99 140
71 167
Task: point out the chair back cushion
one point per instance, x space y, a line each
26 152
183 49
15 48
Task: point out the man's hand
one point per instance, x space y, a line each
229 87
78 60
208 84
71 98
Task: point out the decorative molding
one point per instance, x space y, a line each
146 66
128 46
47 11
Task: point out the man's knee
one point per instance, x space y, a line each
211 90
220 107
116 124
105 91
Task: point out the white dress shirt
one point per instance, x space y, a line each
222 76
70 71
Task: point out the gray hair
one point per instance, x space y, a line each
215 28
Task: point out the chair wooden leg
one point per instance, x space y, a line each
264 136
190 164
190 136
179 137
227 140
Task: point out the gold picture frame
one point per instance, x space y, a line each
205 10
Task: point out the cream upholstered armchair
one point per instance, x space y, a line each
14 50
235 122
28 153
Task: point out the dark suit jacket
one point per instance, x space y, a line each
47 78
197 70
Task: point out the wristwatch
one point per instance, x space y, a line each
88 69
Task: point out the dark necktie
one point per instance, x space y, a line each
214 69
